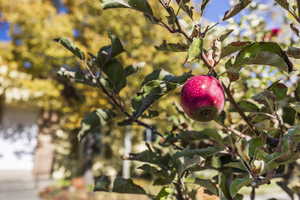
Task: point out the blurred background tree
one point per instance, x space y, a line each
35 23
32 27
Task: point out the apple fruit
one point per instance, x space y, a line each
202 97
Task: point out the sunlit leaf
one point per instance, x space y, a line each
260 53
140 5
71 47
236 9
195 49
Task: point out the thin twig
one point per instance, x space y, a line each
236 106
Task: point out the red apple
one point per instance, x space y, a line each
202 98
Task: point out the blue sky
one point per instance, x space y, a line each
214 10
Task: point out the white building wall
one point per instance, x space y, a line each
18 132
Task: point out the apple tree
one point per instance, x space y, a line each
239 118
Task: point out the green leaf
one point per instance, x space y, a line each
183 4
264 53
203 6
116 45
71 47
233 47
225 179
172 47
207 184
160 74
150 93
237 184
279 89
107 52
75 74
122 185
93 121
289 115
140 5
254 144
248 106
283 3
237 165
131 69
151 157
225 35
261 53
195 49
102 183
205 152
236 9
164 193
155 85
115 73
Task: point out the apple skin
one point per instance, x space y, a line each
202 98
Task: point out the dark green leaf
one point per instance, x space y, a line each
279 89
122 185
183 4
225 180
207 184
131 69
237 184
195 49
93 121
102 183
203 6
173 47
261 53
237 165
233 47
71 47
150 93
155 85
264 53
115 73
236 9
116 45
140 5
283 3
77 75
205 152
107 52
248 106
160 74
254 144
288 115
